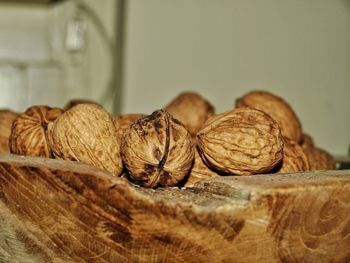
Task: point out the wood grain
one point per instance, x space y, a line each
61 211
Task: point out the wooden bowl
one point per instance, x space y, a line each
61 211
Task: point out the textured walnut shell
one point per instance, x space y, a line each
123 122
75 102
307 141
242 141
29 131
199 171
86 133
157 150
6 119
277 108
191 109
294 158
320 159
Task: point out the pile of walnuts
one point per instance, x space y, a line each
178 145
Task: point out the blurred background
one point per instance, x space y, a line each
135 56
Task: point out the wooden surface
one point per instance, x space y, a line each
60 211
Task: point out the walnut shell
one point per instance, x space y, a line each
241 141
86 133
123 122
199 171
29 131
307 141
320 159
277 108
75 102
191 109
6 119
294 158
157 150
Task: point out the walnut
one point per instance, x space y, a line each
277 108
199 171
307 141
294 158
241 141
320 159
29 131
75 102
123 122
157 150
86 133
191 109
6 119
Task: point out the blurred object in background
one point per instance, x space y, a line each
30 1
27 84
55 51
343 162
13 86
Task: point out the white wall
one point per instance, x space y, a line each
38 67
28 75
299 50
222 49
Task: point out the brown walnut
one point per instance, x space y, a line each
157 150
294 158
29 131
86 133
123 122
242 141
199 171
277 108
75 102
191 109
6 119
320 159
307 141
